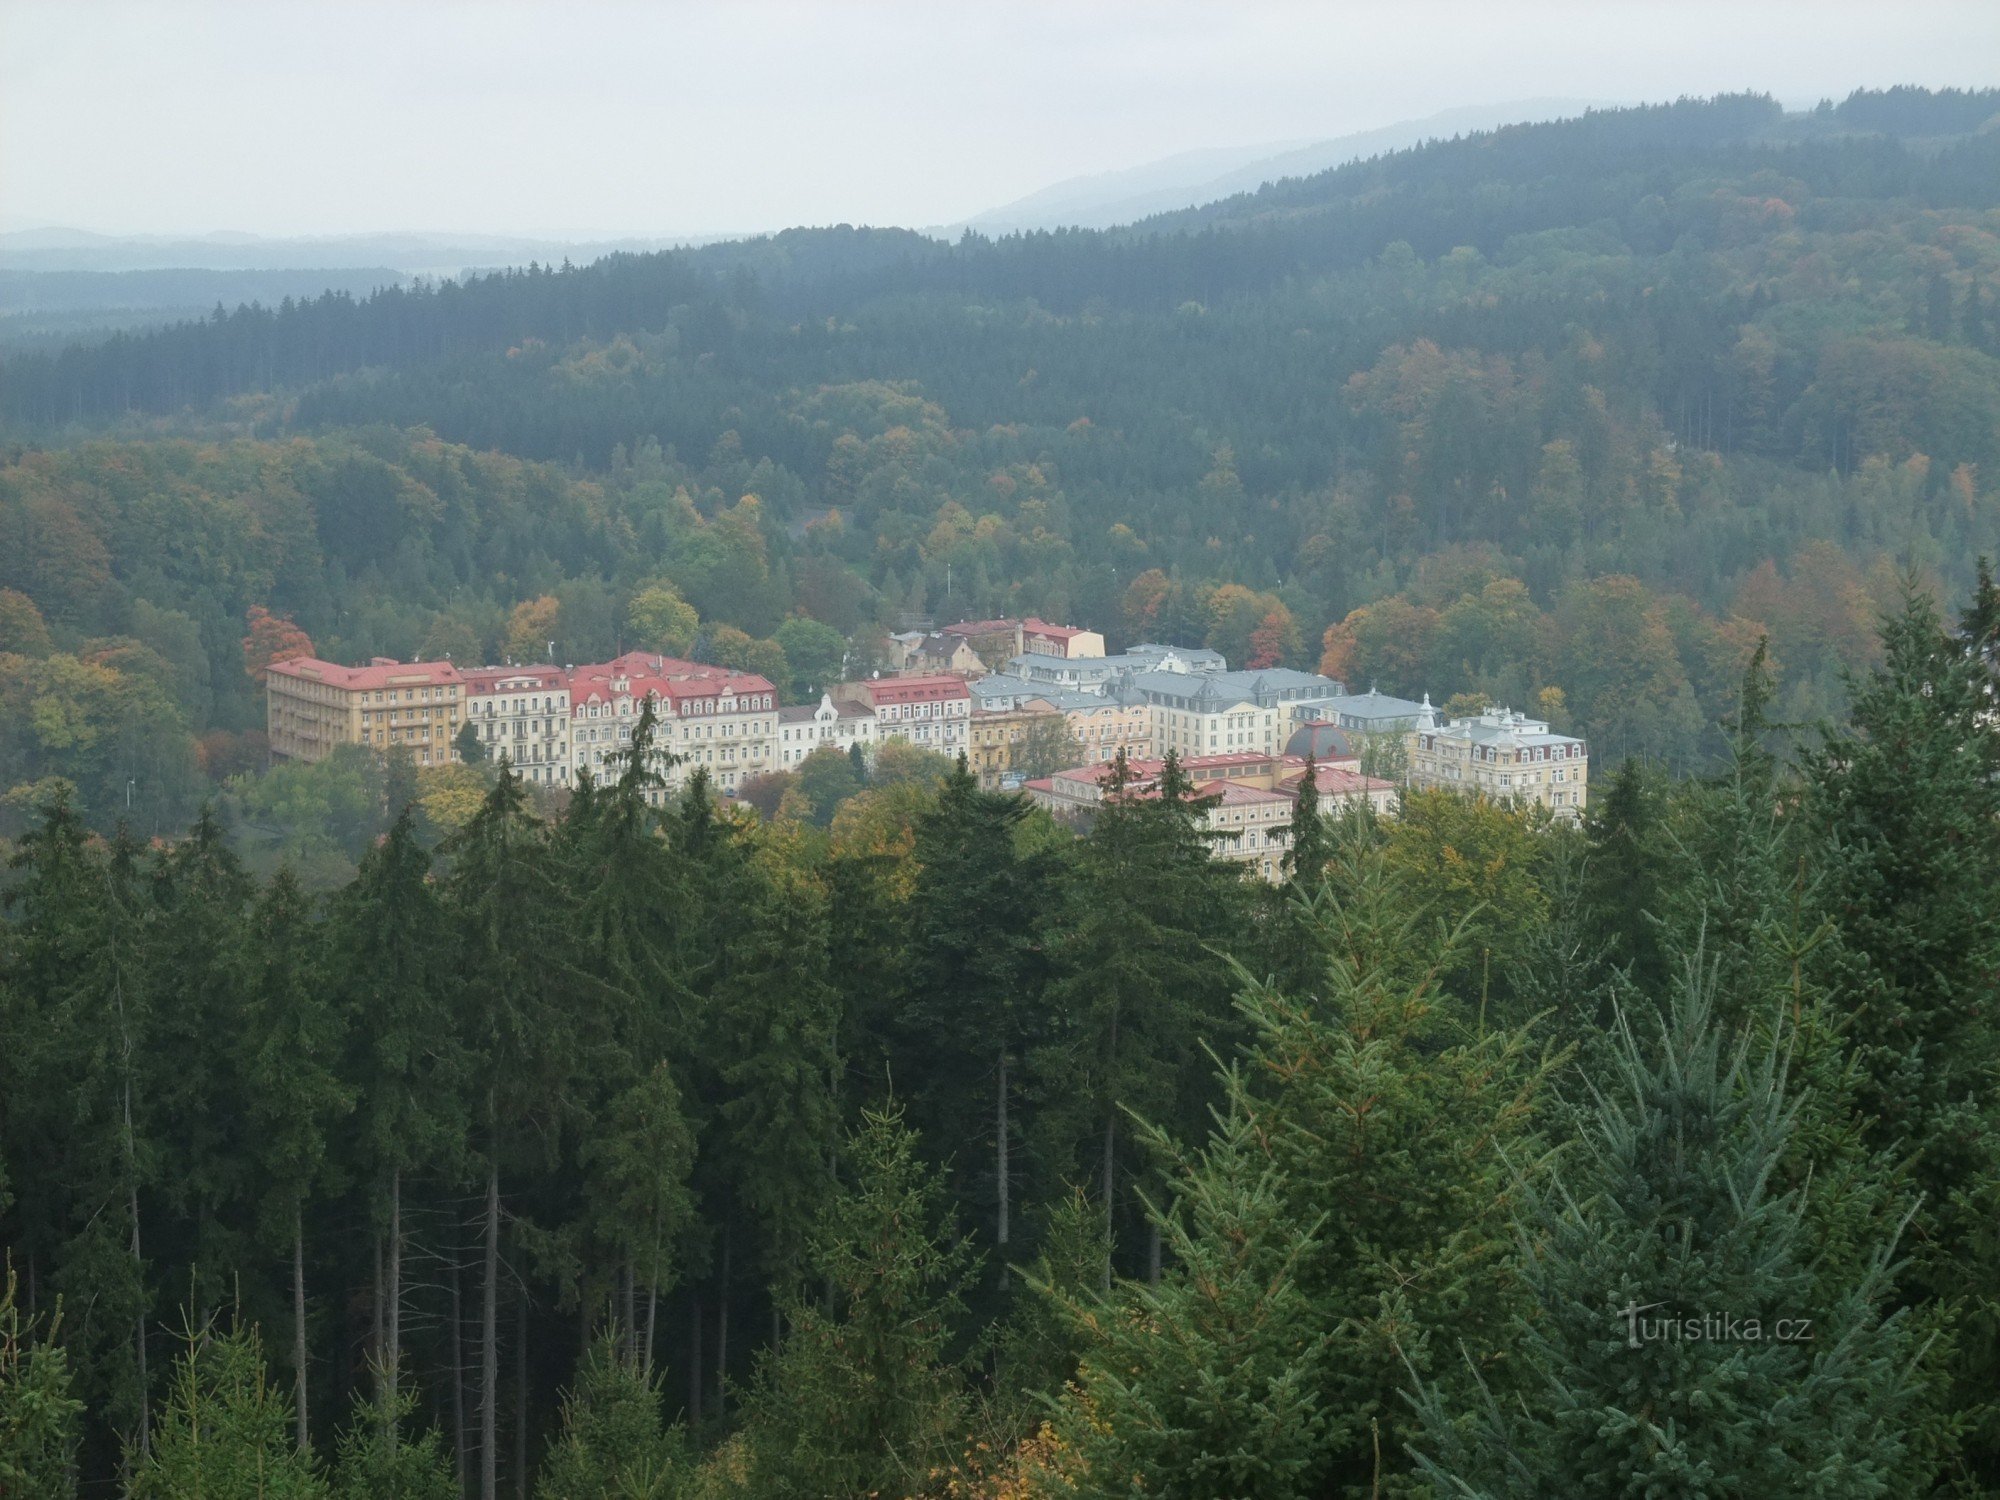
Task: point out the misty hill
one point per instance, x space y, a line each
61 249
1106 199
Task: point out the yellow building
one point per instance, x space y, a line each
1506 757
995 736
312 706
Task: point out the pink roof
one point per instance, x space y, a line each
479 680
1050 632
933 688
382 672
1333 781
668 678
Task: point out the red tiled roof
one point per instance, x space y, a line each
1051 632
380 673
481 680
931 688
669 678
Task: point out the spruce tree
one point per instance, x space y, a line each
380 1458
1907 802
636 1162
1208 1385
864 1397
225 1431
1142 978
291 1042
1624 874
976 988
393 986
614 1445
1679 1343
41 1422
521 1041
77 961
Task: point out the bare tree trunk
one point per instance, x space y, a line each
138 1261
392 1359
652 1317
489 1339
1110 1158
694 1359
1152 1254
299 1318
521 1395
722 1329
1000 1158
375 1316
628 1336
457 1364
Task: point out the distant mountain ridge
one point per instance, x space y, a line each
1107 200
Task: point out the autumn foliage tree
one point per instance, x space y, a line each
272 638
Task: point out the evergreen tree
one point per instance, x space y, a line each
522 1043
225 1432
1623 900
636 1162
378 1459
1306 859
1679 1347
40 1420
404 1066
1142 979
82 1129
291 1041
1907 801
863 1397
978 917
613 1444
1208 1385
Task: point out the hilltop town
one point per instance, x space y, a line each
1032 707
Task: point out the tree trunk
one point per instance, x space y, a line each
489 1339
375 1315
722 1329
628 1336
521 1395
138 1268
652 1316
1152 1254
1110 1157
694 1360
1000 1158
392 1359
299 1318
457 1364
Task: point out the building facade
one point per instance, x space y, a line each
311 706
933 712
1248 801
1507 757
825 725
1219 713
521 715
720 720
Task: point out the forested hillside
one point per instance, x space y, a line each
368 1130
1637 388
940 1152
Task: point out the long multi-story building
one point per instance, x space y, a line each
933 712
1215 713
1507 757
715 718
1248 800
311 706
521 715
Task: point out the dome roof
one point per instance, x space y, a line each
1317 742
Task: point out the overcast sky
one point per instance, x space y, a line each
602 117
